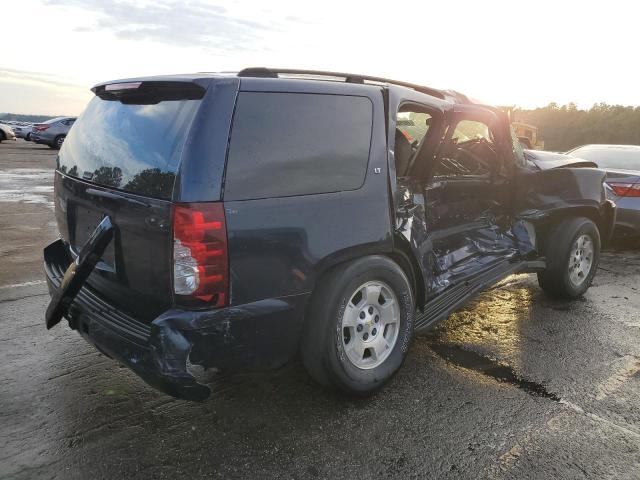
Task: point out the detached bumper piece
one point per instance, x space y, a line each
257 335
77 273
157 357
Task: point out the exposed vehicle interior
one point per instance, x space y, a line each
465 195
471 151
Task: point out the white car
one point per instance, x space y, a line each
6 133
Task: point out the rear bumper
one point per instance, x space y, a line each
255 335
628 217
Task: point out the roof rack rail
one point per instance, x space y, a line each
263 72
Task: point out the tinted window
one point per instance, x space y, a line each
285 144
627 158
132 147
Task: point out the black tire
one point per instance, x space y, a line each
2 136
322 348
57 142
557 248
27 137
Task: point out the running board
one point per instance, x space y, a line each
444 304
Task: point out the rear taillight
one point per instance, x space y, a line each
41 128
622 189
200 261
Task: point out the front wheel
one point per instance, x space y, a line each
359 325
572 249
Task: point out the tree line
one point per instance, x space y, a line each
18 117
564 127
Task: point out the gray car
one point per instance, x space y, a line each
52 132
23 131
622 164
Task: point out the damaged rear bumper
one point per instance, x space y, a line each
261 334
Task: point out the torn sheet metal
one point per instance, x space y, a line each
465 246
252 336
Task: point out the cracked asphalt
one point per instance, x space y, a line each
516 385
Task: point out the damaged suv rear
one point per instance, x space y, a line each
236 221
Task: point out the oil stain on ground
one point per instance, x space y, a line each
486 366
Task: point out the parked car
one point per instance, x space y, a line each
23 131
6 132
543 160
52 132
622 164
233 221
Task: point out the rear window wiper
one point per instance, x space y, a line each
115 196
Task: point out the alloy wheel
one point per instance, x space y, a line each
580 259
370 324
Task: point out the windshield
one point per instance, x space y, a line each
622 157
132 147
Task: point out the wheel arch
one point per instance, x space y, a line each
400 254
600 216
405 257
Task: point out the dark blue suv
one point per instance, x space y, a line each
236 221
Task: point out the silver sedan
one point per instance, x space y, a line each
622 164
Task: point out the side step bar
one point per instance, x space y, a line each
444 304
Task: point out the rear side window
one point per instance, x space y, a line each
131 147
285 144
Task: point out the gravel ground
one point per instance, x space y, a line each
516 385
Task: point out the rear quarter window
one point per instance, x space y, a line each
286 144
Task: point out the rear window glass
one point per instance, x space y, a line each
285 144
131 147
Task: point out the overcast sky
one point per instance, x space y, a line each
502 52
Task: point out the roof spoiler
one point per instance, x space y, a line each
148 92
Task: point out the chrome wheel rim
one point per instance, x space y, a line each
59 142
370 324
580 260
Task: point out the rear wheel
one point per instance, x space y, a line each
572 250
57 143
359 325
2 136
